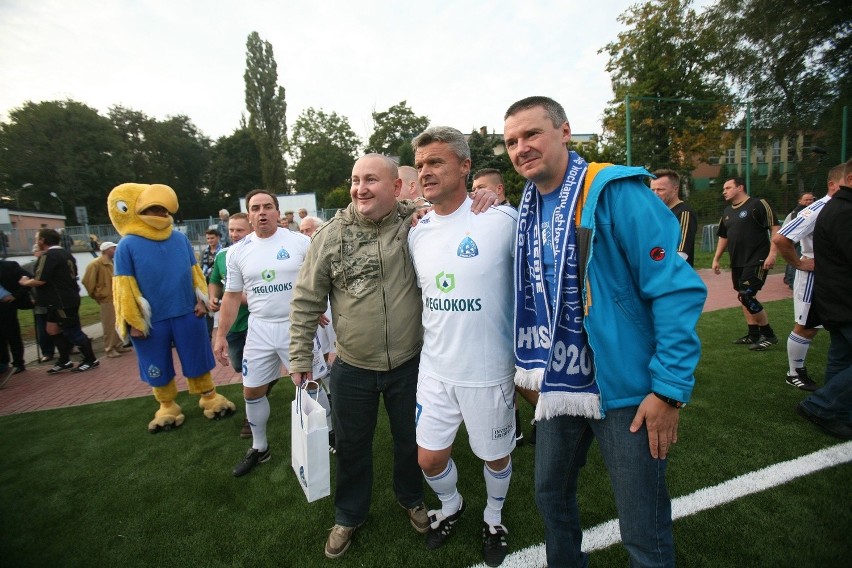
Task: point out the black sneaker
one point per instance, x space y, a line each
763 343
332 443
802 380
745 340
59 367
251 459
85 366
494 545
532 434
441 526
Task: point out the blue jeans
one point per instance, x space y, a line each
638 482
834 400
355 394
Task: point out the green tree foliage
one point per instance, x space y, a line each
406 154
324 147
482 150
792 60
338 198
267 110
394 126
234 170
64 147
173 152
663 55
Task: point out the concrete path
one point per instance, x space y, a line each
118 378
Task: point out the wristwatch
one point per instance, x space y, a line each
670 401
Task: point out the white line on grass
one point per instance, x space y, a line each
607 534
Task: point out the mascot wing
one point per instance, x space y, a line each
131 308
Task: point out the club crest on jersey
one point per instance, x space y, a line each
268 275
467 248
282 254
445 282
658 253
743 214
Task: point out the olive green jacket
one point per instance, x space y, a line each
365 269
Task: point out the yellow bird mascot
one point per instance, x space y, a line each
160 293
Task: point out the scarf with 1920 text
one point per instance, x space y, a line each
552 354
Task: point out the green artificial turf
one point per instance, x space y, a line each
88 486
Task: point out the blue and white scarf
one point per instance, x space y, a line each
552 354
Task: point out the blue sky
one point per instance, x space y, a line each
459 62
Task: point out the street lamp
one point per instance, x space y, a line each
61 205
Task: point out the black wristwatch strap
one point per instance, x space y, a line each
670 401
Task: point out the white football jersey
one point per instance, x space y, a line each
266 270
464 265
801 229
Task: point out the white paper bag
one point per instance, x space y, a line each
309 444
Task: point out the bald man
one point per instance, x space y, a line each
410 184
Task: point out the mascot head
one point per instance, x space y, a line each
143 210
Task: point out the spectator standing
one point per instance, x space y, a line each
238 228
745 231
223 227
411 188
208 256
94 245
463 264
45 343
13 297
58 292
492 179
98 283
667 187
607 370
796 244
830 407
288 223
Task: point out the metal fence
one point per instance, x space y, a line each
20 241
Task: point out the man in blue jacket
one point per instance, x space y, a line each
605 331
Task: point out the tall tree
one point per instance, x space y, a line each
234 170
393 127
61 147
267 110
791 59
662 56
173 152
324 147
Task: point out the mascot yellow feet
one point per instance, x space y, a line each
216 406
169 416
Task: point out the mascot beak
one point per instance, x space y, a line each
156 205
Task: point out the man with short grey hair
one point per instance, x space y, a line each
463 264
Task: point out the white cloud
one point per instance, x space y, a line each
461 63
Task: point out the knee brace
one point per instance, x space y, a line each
746 296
